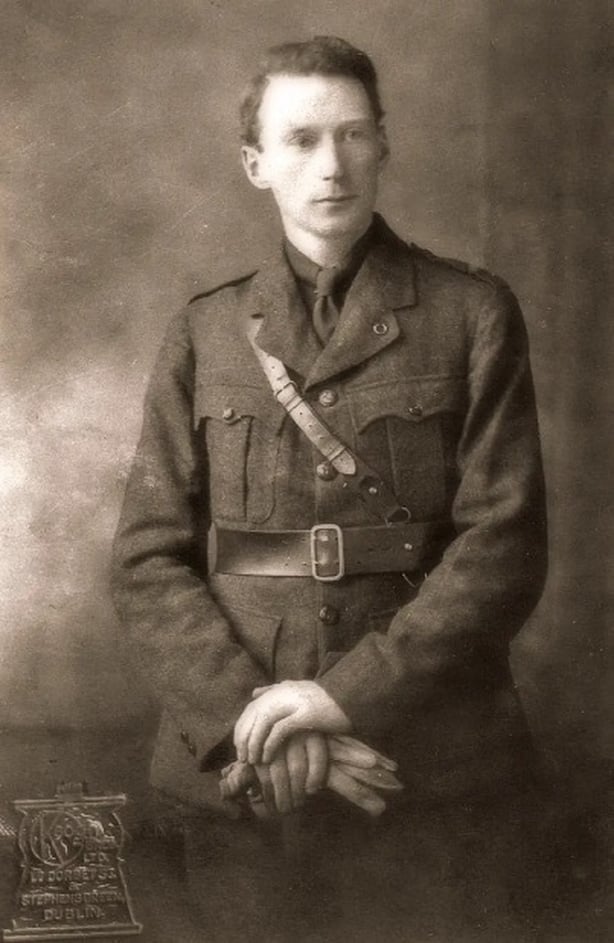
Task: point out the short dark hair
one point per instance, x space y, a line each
322 55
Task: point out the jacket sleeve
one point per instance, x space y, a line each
492 573
197 668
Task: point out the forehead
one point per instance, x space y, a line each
312 100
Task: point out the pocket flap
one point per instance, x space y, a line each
231 403
413 400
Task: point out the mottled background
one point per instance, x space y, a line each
123 195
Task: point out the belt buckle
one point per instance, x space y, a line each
327 554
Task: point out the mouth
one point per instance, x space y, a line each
345 198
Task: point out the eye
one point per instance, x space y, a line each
355 134
303 140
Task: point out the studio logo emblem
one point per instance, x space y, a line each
56 838
72 883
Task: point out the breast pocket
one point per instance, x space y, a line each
409 431
240 428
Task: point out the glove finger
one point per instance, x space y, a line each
297 765
356 793
344 753
280 780
377 778
317 760
384 761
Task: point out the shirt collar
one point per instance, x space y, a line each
306 271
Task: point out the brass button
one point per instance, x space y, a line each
326 471
228 414
415 410
328 615
327 398
380 328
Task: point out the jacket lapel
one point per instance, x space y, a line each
368 324
286 332
384 283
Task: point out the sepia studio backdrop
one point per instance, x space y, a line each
123 196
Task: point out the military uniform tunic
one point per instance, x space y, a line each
427 377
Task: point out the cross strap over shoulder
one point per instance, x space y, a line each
376 494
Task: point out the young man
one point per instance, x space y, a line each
364 576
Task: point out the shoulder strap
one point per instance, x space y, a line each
360 477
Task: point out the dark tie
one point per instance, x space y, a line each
325 311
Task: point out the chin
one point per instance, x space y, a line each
339 227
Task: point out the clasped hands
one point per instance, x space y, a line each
291 741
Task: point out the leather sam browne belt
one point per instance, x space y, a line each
326 552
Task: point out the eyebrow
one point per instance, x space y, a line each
311 128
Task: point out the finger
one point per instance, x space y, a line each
279 732
297 765
376 778
237 778
241 733
317 762
355 792
351 742
266 788
280 780
264 722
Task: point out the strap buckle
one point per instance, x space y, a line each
327 553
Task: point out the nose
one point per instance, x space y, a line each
330 160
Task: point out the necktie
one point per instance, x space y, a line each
325 312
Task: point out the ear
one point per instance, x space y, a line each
384 147
253 162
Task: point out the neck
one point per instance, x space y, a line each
325 252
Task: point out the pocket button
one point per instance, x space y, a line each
415 410
327 398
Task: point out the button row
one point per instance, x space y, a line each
330 397
326 471
326 398
328 615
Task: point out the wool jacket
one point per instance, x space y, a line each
427 377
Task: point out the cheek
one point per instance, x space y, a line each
366 171
364 160
289 180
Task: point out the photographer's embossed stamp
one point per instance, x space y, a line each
72 884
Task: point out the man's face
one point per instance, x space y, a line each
320 153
